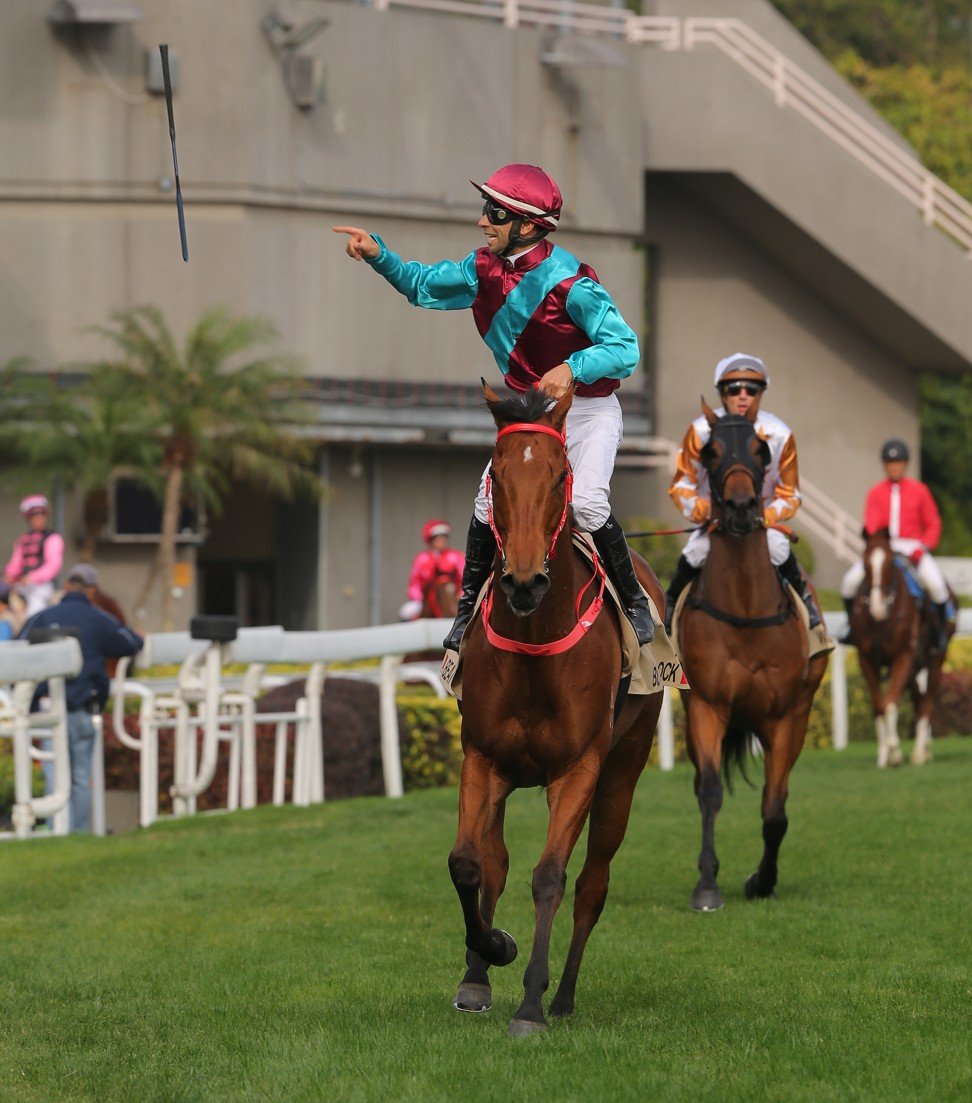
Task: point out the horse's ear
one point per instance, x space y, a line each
492 400
558 412
710 415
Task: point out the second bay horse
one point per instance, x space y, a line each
541 681
893 633
745 655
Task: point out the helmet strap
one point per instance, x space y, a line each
516 240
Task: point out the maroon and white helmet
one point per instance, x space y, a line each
525 190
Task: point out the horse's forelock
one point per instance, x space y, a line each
531 405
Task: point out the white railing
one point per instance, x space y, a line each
791 87
821 516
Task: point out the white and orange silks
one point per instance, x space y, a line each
781 486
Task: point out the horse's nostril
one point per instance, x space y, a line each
507 585
540 583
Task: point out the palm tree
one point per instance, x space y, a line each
217 410
81 431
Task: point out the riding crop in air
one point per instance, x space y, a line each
164 51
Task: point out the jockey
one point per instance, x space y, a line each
906 508
37 557
437 560
740 380
549 323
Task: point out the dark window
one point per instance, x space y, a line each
139 513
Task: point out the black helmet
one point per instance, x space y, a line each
894 450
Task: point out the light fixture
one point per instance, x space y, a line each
93 13
303 73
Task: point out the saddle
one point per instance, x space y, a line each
651 667
818 640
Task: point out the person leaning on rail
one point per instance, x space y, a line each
548 322
741 380
101 637
906 508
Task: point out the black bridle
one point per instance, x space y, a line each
735 434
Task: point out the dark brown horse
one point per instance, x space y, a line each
441 597
894 632
745 654
535 718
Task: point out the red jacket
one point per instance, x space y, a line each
918 517
428 564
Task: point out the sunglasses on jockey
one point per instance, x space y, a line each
737 386
497 215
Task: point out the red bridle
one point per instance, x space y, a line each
550 431
584 622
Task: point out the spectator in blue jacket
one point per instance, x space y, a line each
101 637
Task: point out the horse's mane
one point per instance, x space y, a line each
529 406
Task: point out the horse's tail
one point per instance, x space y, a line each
735 750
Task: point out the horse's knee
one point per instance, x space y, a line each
549 882
709 790
465 868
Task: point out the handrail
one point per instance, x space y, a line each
792 87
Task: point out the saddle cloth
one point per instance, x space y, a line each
819 641
651 667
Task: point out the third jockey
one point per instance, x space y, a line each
906 508
549 323
741 380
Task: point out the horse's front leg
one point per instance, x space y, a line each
924 691
475 993
705 729
872 677
569 799
478 867
898 678
779 756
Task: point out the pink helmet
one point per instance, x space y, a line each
32 502
432 529
525 190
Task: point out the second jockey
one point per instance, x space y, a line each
906 508
741 380
437 561
548 323
37 556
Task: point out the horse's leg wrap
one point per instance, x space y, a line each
613 549
939 640
480 553
684 574
790 570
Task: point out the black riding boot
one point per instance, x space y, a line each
939 640
612 547
684 574
480 553
848 637
791 571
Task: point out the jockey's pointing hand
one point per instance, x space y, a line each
361 244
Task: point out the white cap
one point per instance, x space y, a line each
740 361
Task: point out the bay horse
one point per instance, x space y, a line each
541 683
745 654
893 632
441 596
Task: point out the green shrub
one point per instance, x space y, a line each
431 752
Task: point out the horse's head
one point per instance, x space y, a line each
736 459
529 481
878 573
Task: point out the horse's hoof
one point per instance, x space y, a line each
560 1009
520 1028
706 900
502 947
751 889
895 757
475 998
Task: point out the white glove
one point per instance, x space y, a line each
411 610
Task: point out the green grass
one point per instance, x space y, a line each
312 954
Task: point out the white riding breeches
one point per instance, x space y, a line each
696 551
594 432
929 573
36 595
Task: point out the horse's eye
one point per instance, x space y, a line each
492 475
563 477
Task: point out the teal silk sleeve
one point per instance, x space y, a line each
448 285
614 353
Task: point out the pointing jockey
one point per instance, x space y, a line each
906 508
437 560
548 322
740 380
37 557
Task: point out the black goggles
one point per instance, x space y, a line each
737 386
496 215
